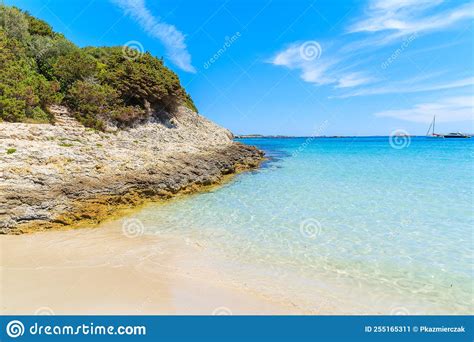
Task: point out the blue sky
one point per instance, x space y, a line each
298 67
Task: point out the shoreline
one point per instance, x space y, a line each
176 271
73 272
94 211
66 176
126 270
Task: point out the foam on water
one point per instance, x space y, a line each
354 222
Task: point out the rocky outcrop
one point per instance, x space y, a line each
58 175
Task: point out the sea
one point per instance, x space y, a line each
354 225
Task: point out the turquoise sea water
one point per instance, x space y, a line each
360 224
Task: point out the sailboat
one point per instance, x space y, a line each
448 135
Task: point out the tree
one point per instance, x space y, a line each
91 103
143 81
37 26
24 93
46 51
39 67
14 23
73 66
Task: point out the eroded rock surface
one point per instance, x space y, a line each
57 175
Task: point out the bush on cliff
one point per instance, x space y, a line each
91 102
24 93
73 66
39 67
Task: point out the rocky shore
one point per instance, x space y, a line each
55 176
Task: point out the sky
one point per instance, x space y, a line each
297 67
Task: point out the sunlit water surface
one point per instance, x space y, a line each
352 223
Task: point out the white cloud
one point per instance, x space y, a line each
318 70
352 80
289 57
167 34
446 110
385 21
409 87
398 18
312 69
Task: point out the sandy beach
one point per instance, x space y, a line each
103 271
136 179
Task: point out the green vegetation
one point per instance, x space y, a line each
63 144
11 150
39 67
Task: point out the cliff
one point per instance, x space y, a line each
52 176
87 131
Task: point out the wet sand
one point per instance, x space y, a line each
103 271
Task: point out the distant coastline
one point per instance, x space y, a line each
252 136
260 136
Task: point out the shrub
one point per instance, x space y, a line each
46 52
24 93
91 102
75 65
37 26
38 115
14 23
12 110
188 102
125 116
39 67
143 81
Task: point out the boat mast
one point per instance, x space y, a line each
434 122
429 128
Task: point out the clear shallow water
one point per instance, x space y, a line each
351 223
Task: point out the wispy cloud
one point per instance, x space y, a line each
354 79
446 110
318 70
408 87
397 18
168 35
383 22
